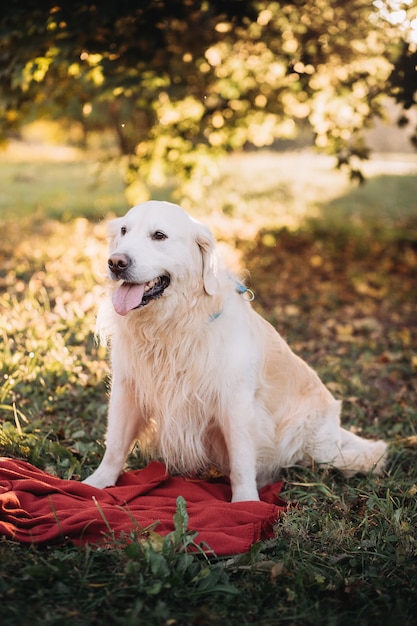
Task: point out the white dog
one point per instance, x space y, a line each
198 377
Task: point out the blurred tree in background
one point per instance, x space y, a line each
181 80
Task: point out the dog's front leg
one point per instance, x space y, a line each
123 428
241 447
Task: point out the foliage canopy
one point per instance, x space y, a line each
177 80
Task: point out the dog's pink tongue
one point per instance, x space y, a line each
127 297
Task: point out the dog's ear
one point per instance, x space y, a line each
207 245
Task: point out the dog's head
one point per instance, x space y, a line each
158 246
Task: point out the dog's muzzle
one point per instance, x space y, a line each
130 294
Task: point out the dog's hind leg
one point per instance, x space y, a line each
337 447
358 455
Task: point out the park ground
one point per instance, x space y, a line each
334 268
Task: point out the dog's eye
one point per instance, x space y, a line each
123 230
158 235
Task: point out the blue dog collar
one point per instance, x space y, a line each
242 290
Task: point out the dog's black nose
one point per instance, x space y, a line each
118 263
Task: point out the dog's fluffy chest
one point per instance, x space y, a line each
178 376
162 368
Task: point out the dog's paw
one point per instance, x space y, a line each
244 494
380 456
100 480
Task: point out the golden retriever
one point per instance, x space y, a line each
198 377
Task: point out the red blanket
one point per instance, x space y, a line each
38 508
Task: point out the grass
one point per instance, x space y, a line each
334 268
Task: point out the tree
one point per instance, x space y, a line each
179 80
